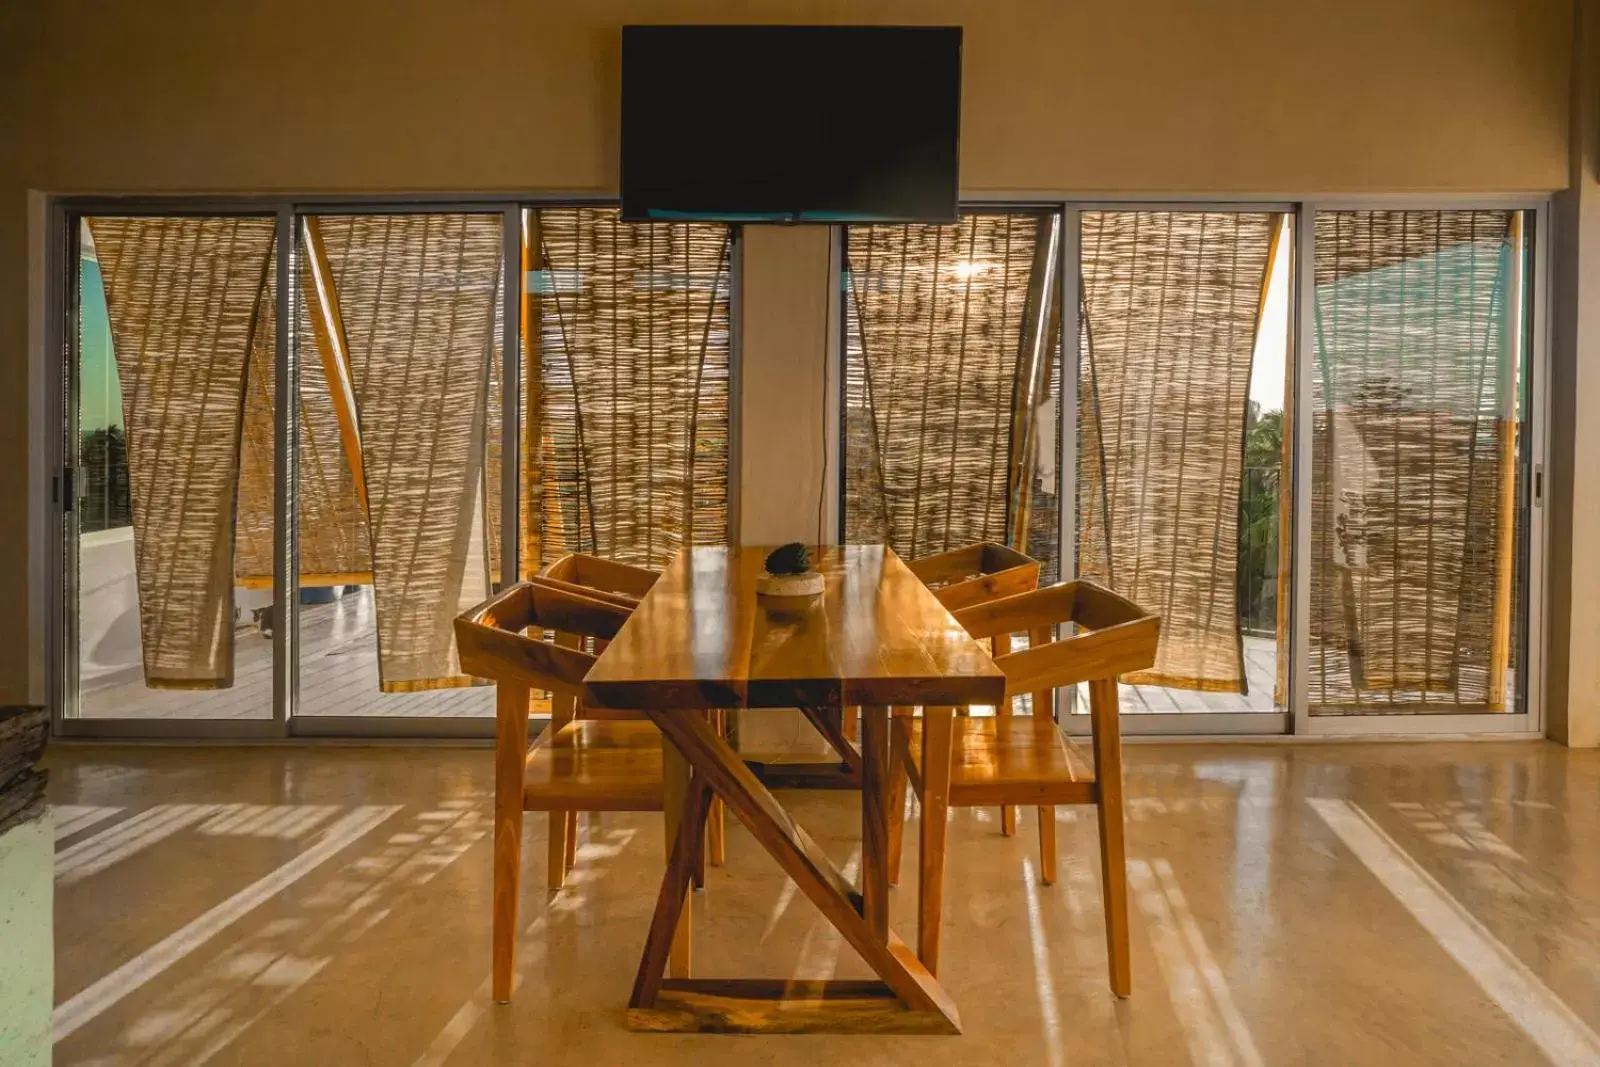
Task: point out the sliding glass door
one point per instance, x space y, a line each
476 390
399 352
1423 511
952 384
1307 438
627 346
174 322
1182 495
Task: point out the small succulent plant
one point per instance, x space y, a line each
792 558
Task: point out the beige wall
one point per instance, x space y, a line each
1284 97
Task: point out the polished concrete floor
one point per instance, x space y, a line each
1292 904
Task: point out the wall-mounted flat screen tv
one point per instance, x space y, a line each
790 123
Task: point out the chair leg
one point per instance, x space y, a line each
1044 723
570 856
510 755
1113 853
716 823
1047 845
899 781
936 758
556 852
716 833
711 852
1008 812
563 824
897 817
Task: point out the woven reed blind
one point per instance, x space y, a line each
1416 382
185 297
252 550
334 544
627 386
418 296
1171 302
951 370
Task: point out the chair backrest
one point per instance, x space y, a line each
1116 635
494 641
600 578
976 573
595 578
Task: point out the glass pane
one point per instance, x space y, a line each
952 385
625 351
1182 500
177 328
399 341
1418 484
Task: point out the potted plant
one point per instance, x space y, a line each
789 573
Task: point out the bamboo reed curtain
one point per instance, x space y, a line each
334 543
417 295
185 298
1171 303
626 386
399 454
1418 383
951 378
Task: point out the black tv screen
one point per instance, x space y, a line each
794 123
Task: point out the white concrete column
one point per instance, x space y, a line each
1572 689
788 386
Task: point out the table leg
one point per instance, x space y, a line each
876 799
937 728
904 999
673 900
674 795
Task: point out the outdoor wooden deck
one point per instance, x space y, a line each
339 676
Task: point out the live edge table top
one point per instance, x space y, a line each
703 638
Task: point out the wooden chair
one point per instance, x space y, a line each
967 576
976 573
601 578
580 765
1028 760
623 584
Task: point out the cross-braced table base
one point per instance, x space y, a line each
906 998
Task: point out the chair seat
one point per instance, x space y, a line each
589 765
1008 760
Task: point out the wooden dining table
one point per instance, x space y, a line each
702 639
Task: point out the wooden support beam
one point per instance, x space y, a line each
322 298
782 1006
1031 385
1505 549
911 984
667 942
